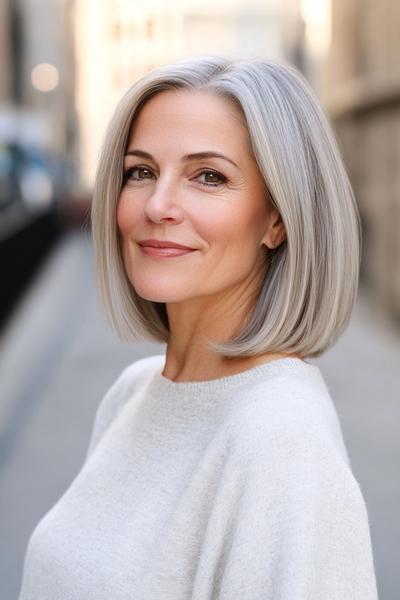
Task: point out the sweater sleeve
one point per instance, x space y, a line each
301 529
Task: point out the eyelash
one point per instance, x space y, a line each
222 178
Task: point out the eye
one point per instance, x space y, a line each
138 173
211 178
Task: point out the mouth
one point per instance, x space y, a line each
165 252
163 248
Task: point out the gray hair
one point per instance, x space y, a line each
310 287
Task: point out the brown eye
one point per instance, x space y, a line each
138 173
211 178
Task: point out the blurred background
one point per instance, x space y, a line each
64 64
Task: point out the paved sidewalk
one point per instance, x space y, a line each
58 357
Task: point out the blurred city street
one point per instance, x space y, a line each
58 357
64 68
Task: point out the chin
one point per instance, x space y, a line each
162 298
155 294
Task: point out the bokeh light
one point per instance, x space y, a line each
45 77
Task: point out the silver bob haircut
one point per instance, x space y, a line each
310 286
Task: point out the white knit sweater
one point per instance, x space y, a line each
238 488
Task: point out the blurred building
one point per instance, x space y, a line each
363 99
38 141
46 73
118 41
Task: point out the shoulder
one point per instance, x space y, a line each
139 372
288 452
131 378
291 411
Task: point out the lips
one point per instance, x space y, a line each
164 248
163 244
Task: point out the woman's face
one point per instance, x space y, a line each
190 178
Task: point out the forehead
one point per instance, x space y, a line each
201 115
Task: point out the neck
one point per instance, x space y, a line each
188 356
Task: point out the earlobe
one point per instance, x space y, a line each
272 246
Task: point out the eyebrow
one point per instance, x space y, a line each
193 156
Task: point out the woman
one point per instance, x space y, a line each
224 225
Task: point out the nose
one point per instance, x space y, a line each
163 203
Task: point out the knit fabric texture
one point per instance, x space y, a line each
237 488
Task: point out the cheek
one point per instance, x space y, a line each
128 215
230 227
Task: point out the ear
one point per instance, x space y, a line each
275 233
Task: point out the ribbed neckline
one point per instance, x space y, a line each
195 389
